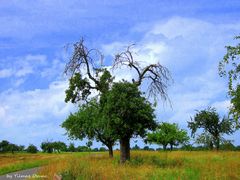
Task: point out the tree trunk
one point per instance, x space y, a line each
217 144
110 151
171 147
124 149
211 145
164 147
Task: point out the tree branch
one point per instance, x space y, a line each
158 75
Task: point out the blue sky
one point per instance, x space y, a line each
188 37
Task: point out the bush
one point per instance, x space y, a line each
32 149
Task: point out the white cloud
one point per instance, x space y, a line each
113 48
24 71
222 106
191 49
5 73
39 105
21 66
54 69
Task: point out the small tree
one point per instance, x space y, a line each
13 148
209 120
4 146
82 149
71 147
167 133
32 149
47 147
89 144
59 146
206 140
21 148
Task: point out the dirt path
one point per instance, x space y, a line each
22 175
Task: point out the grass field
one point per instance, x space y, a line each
148 165
143 165
20 161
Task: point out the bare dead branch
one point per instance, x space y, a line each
83 58
158 75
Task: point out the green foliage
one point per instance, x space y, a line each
47 147
167 133
71 147
89 144
102 149
89 122
50 147
227 145
59 146
13 147
6 146
214 128
81 149
80 88
121 112
230 67
130 113
21 148
136 147
32 149
206 139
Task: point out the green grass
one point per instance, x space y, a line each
21 161
22 166
150 165
143 165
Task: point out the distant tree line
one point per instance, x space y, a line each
6 146
47 147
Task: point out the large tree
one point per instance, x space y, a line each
209 120
167 133
88 76
130 113
89 122
230 67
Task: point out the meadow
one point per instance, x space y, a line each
20 161
147 165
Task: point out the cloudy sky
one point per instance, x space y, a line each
188 37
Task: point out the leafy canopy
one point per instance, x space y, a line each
90 122
167 133
209 120
130 113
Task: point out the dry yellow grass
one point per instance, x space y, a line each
149 165
9 159
20 161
